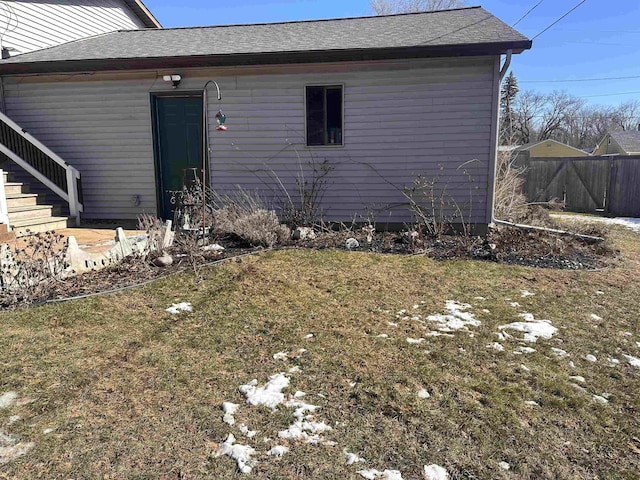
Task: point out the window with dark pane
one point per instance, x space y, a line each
324 115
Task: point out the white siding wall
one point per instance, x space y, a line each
35 24
401 119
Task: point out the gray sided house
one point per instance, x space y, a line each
379 100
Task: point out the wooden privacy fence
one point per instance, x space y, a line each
609 185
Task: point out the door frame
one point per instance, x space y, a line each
153 97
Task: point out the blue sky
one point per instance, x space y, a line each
599 39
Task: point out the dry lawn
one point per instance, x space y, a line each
130 391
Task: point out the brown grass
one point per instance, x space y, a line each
133 392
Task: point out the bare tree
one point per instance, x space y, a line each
560 106
527 108
627 116
387 7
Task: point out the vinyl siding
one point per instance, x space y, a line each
401 119
36 24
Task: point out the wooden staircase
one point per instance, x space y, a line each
27 214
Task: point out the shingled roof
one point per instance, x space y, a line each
629 140
466 31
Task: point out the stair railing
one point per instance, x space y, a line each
47 167
4 211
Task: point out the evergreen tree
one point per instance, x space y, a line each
508 94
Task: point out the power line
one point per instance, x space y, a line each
563 16
526 14
610 94
579 80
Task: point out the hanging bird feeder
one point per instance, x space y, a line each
221 118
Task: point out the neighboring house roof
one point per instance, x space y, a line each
529 146
143 13
628 140
467 31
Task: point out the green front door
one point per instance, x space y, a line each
178 131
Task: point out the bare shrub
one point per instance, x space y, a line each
30 275
244 214
435 210
304 209
258 227
153 227
510 201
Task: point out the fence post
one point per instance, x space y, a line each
608 195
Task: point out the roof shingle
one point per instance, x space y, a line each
471 27
629 140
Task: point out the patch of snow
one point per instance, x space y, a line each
496 346
504 466
438 334
514 304
456 319
213 248
416 307
309 335
278 451
329 443
240 453
532 403
595 317
532 328
10 450
301 408
435 472
558 352
599 292
484 310
306 431
7 399
14 419
351 458
415 340
177 308
294 369
373 474
578 378
393 324
229 410
627 222
47 431
245 430
479 298
423 394
383 335
613 362
270 395
524 368
353 384
572 365
280 356
590 358
402 312
600 399
633 361
526 293
417 318
299 394
522 350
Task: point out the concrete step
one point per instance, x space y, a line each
36 225
29 211
21 199
15 187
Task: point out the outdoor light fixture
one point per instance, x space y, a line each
173 78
